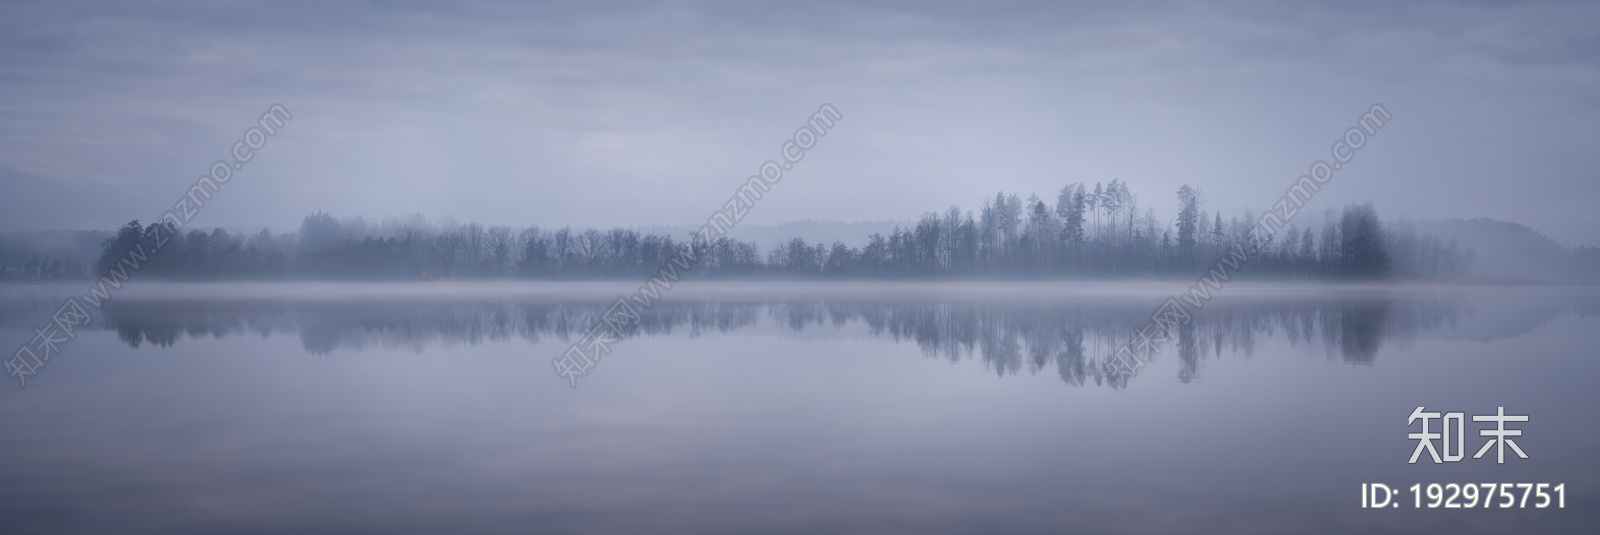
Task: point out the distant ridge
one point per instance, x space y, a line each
82 246
1507 250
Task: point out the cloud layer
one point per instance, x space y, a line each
634 114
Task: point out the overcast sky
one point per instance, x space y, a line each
631 114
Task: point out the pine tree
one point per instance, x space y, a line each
1188 212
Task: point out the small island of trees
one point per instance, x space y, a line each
1087 232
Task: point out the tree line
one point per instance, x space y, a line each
1096 231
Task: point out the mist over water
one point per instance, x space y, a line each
826 407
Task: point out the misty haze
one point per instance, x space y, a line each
693 267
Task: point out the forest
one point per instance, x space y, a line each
1096 231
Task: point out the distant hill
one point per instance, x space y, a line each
75 250
82 246
1508 250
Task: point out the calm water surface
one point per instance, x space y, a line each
787 408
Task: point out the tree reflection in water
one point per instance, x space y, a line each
1007 336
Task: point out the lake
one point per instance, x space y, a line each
791 407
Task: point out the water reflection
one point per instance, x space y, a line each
798 412
1008 337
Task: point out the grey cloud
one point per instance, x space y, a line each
632 114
